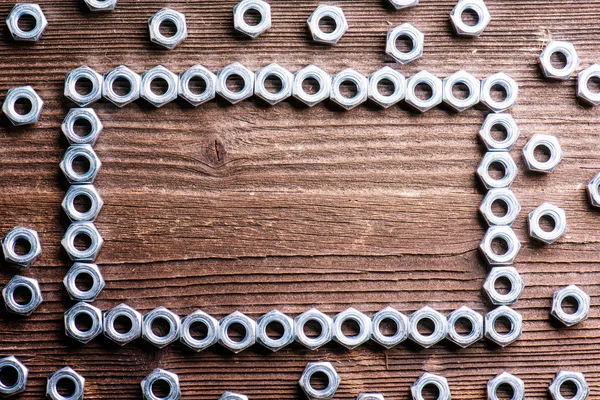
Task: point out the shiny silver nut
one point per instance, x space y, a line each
574 293
121 73
17 236
364 328
507 123
233 396
475 320
211 326
576 378
161 339
322 92
74 194
279 73
324 368
193 73
247 323
101 5
174 17
512 317
355 78
84 73
11 364
370 396
28 94
31 10
81 114
66 373
583 80
505 197
516 286
82 230
427 379
405 30
274 317
235 69
159 72
506 237
83 310
70 161
86 270
476 6
517 385
398 4
430 80
507 84
500 160
331 12
122 311
592 189
313 315
393 77
556 214
240 10
472 84
571 57
548 144
397 318
440 327
22 283
166 377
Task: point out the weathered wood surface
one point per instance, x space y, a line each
251 207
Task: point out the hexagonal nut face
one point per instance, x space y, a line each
252 30
500 159
476 321
570 54
398 4
323 320
76 192
161 339
395 78
235 69
82 229
125 73
74 153
472 84
505 197
14 238
21 373
508 84
427 379
68 373
81 114
22 282
334 13
77 270
483 17
28 94
593 187
202 73
397 318
72 314
364 328
583 91
405 30
434 83
233 396
579 296
29 9
262 336
278 72
508 238
549 144
210 324
101 5
516 286
513 317
358 80
321 77
237 318
577 378
159 72
556 214
507 123
83 73
174 17
517 385
440 327
325 368
122 311
161 375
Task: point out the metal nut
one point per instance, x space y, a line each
235 69
592 189
399 319
416 389
326 11
370 396
161 340
122 311
71 315
70 282
325 368
159 72
88 191
516 286
212 330
15 94
121 72
161 375
87 73
260 6
233 396
395 78
505 234
101 5
405 30
398 4
505 196
577 378
323 320
174 17
364 328
503 159
440 329
22 282
87 229
517 385
509 85
321 77
567 50
66 373
197 72
483 17
516 322
274 316
583 91
16 234
473 85
20 10
476 321
359 80
510 126
277 71
75 152
77 114
21 372
542 141
559 217
583 305
246 322
424 78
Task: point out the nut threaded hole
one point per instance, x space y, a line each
463 326
159 86
404 44
311 86
22 247
502 325
236 332
423 91
197 85
252 17
426 326
385 87
82 127
499 208
273 84
319 381
568 389
167 28
312 329
499 133
388 327
198 330
348 89
498 93
461 91
235 83
160 327
505 391
469 17
160 388
83 322
81 165
547 223
84 282
123 324
327 24
275 330
350 328
9 376
82 241
27 22
497 170
121 86
593 84
22 295
502 285
65 387
430 392
569 305
542 153
82 203
23 106
499 246
83 86
558 60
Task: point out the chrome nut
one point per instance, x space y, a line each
476 321
509 85
260 6
510 126
71 315
592 189
21 373
273 71
15 94
84 72
321 77
212 330
87 229
517 385
174 17
359 80
337 15
583 305
440 330
398 4
542 141
121 72
559 217
122 311
516 286
235 69
516 329
87 191
473 85
323 320
19 11
77 114
434 83
395 78
233 396
405 30
364 328
210 83
325 368
101 5
16 234
577 378
74 153
503 159
483 17
567 50
370 396
399 319
274 316
66 373
22 282
161 340
505 196
161 375
70 281
246 322
159 72
505 234
583 91
416 389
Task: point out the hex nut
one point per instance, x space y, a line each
161 340
101 5
583 91
84 72
235 69
274 316
210 83
125 73
159 72
87 229
364 328
30 9
583 305
370 396
476 321
399 4
87 191
70 282
15 94
20 383
399 319
74 153
326 11
510 86
593 187
122 311
515 319
323 367
167 15
427 379
212 330
517 385
323 320
71 329
542 141
233 396
505 196
483 17
273 71
440 330
77 114
239 23
409 31
395 78
65 373
321 77
358 80
249 338
559 217
473 85
503 159
10 241
508 236
430 80
15 307
577 378
516 286
510 126
567 50
161 375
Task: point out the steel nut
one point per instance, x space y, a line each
592 188
576 378
570 54
101 5
476 6
121 73
358 80
240 24
500 159
211 325
22 93
510 87
274 317
122 311
472 84
322 79
14 237
507 123
398 4
516 325
416 37
334 13
476 321
210 85
547 143
161 339
66 373
364 328
440 382
517 385
583 305
323 320
397 318
583 79
516 286
17 307
235 69
159 72
503 234
82 229
90 271
370 396
83 309
84 73
430 80
233 396
273 71
325 368
440 327
234 345
76 192
11 363
68 164
508 199
26 9
556 214
160 375
174 17
395 78
81 114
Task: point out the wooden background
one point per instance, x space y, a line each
250 207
